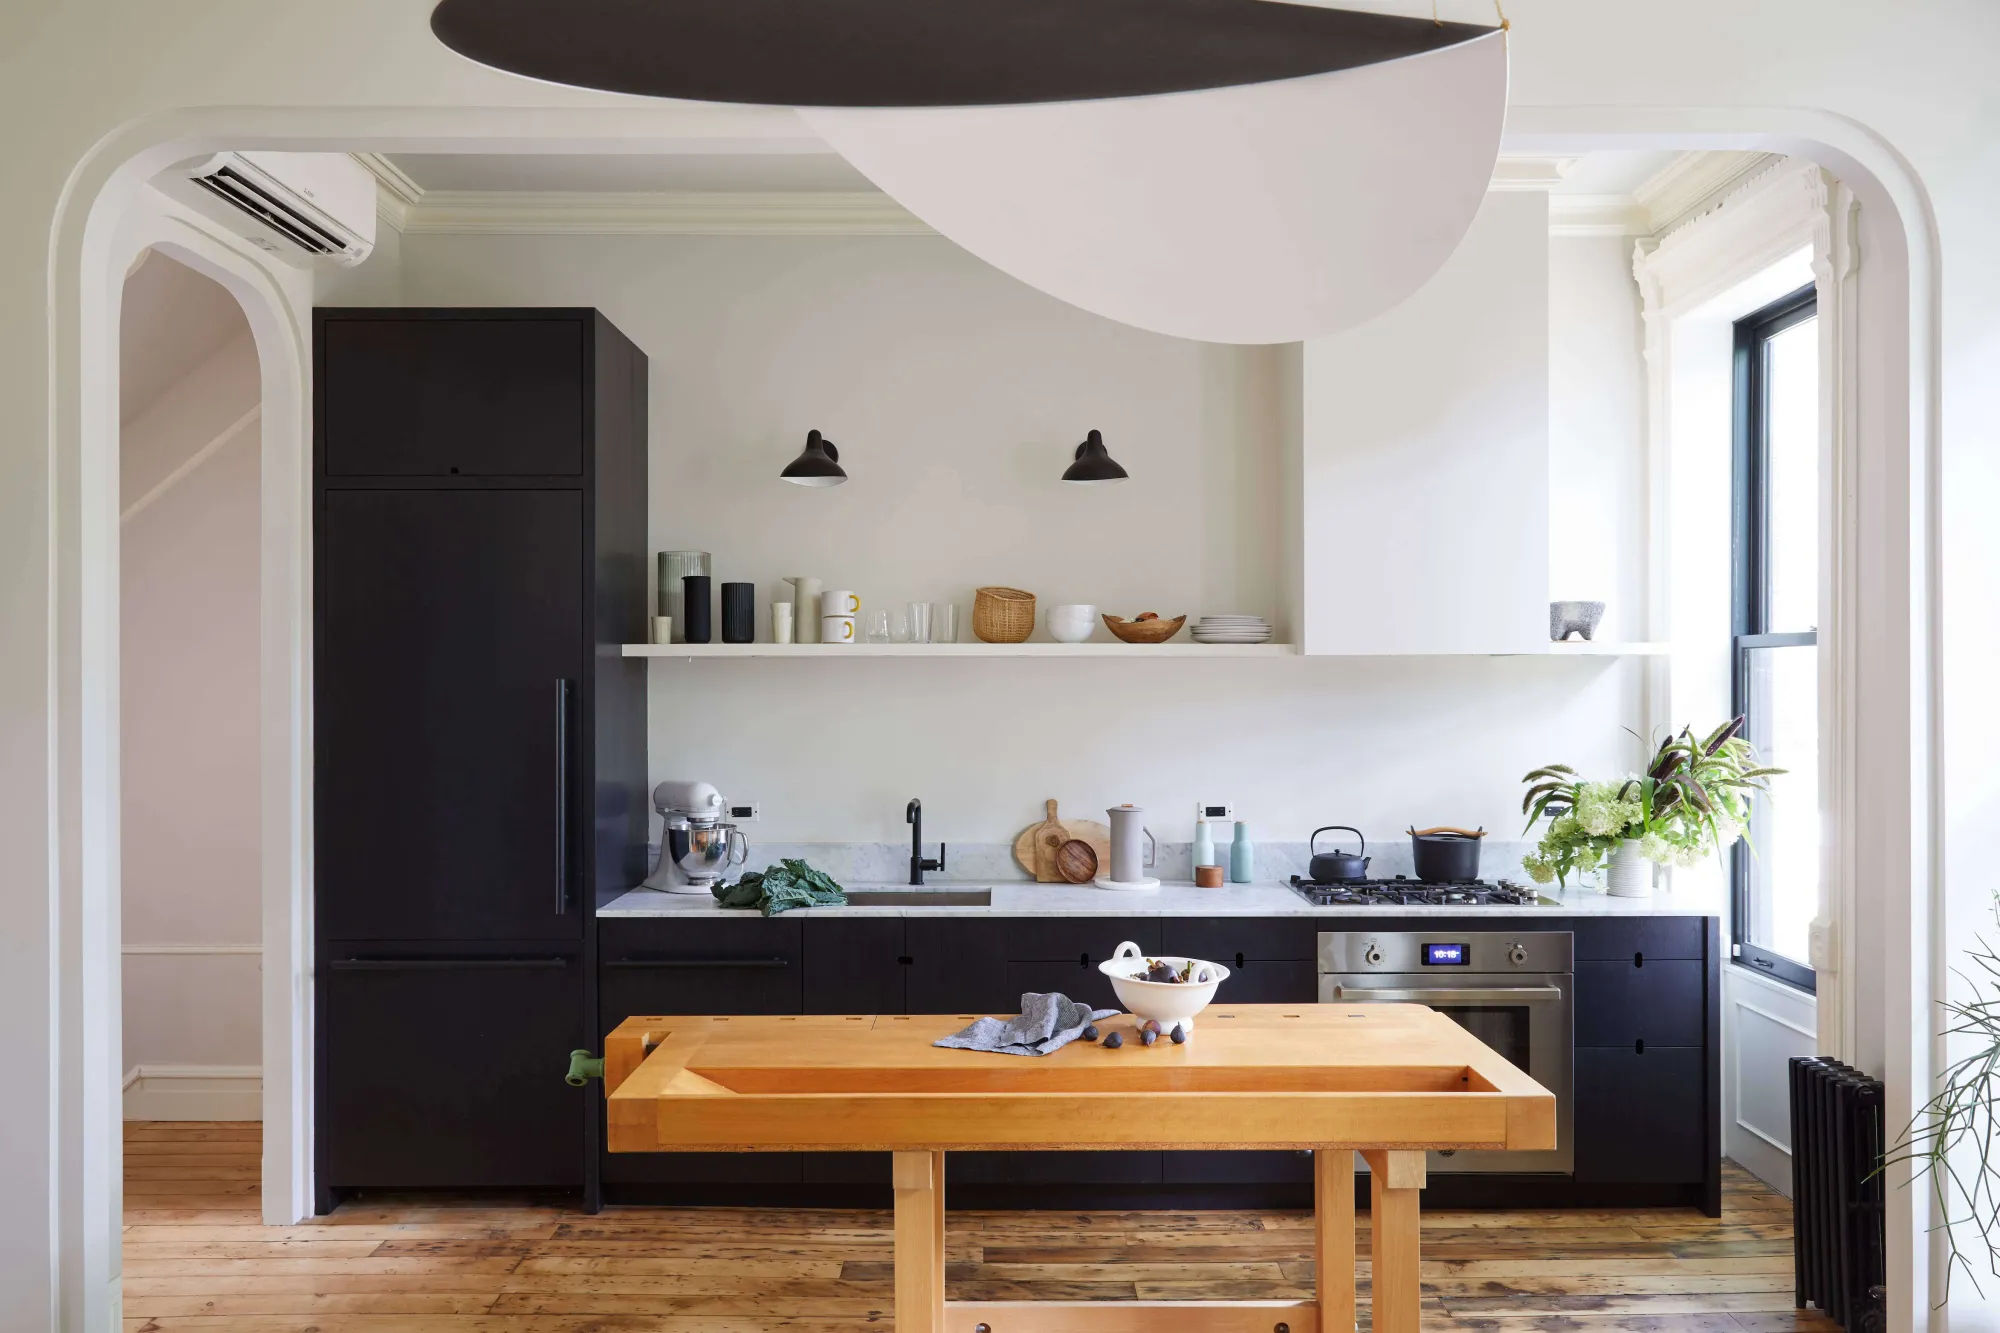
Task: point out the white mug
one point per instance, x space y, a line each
663 629
781 622
836 629
839 602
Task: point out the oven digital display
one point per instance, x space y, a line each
1445 955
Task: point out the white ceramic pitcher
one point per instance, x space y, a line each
1132 847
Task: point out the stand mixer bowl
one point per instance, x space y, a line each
711 850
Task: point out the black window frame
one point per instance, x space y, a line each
1751 580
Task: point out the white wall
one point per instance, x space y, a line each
1597 474
956 395
1426 470
1764 1024
189 479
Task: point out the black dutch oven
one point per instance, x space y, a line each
1445 855
1336 866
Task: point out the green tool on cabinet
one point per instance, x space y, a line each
583 1067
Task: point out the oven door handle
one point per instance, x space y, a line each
1451 995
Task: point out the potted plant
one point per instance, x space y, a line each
1693 799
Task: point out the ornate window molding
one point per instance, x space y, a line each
1768 216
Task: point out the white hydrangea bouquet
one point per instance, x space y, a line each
1692 800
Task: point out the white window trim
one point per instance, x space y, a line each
1786 206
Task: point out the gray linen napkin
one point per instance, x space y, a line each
1046 1023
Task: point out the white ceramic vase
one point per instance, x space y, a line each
1630 874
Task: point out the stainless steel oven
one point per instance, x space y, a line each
1509 988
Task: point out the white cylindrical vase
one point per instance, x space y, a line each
1630 875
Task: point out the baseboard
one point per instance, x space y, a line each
194 1092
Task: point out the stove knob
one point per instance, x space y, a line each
1372 956
1517 955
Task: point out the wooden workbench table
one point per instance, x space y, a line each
1387 1080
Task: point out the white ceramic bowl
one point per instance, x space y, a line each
1169 1002
1072 623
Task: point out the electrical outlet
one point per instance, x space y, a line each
745 812
1212 810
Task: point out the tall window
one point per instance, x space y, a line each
1776 623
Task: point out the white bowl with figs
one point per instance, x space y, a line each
1169 991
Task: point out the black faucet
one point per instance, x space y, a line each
914 815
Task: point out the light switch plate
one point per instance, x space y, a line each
744 812
1212 810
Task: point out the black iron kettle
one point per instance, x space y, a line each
1337 867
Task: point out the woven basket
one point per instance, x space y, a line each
1003 615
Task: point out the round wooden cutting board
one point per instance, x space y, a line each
1041 861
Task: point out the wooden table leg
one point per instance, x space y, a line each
1395 1177
1333 1230
919 1178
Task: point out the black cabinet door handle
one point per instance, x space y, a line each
442 964
562 797
698 962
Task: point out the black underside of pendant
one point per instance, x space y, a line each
925 52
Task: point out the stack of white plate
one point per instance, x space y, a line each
1232 629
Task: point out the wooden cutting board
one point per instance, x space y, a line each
1038 857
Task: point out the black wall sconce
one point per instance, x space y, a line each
1093 463
818 464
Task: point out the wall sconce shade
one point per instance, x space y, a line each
1094 463
818 464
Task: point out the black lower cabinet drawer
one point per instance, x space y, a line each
1228 939
1078 979
1237 1168
1071 937
1268 983
956 966
444 1071
1661 1003
1639 1115
754 966
1052 1168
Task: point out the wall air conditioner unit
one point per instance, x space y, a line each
321 204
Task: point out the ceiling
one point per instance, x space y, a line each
754 172
173 320
1614 172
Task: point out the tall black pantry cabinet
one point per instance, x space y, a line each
479 555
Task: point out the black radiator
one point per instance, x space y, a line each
1837 1220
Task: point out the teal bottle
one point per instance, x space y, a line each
1240 858
1204 844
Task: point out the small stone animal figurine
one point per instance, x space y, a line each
1567 618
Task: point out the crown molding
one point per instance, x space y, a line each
395 193
671 213
1597 215
1693 183
1518 172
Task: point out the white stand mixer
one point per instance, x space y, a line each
697 846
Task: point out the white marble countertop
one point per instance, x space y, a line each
1021 898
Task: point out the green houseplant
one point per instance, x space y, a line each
1693 799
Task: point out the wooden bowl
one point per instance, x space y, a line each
1144 631
1076 861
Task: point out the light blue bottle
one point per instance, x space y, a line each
1240 856
1204 844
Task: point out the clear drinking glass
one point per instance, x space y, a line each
944 622
878 625
920 622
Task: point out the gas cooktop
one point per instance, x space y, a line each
1400 892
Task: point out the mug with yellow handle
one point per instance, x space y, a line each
836 629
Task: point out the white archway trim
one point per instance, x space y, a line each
1896 755
277 302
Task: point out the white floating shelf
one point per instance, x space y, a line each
1607 648
1108 649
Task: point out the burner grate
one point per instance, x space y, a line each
1412 893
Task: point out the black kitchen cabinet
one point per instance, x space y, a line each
1658 1004
480 785
1640 1115
450 655
445 1070
459 393
855 965
958 965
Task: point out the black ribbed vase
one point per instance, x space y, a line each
695 608
739 612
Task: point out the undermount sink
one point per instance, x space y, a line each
916 897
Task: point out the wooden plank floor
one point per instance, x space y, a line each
196 1258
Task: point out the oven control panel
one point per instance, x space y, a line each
1445 951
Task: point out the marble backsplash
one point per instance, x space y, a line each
993 862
